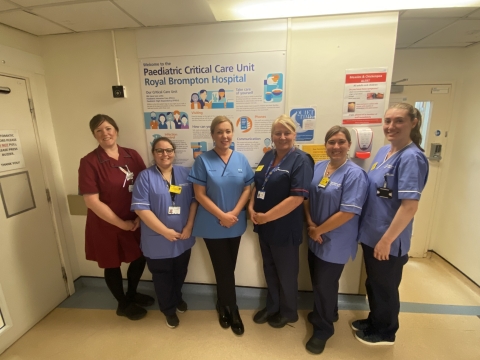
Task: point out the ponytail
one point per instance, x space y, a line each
413 113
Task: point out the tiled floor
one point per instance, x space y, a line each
429 328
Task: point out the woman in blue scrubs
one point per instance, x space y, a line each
337 194
282 179
396 180
221 179
163 199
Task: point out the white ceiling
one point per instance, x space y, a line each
423 28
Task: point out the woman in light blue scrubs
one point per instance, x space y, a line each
397 177
221 179
337 194
163 199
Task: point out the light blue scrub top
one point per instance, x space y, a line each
347 192
406 172
151 193
224 185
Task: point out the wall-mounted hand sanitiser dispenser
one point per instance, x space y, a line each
362 139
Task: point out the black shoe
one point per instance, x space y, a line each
278 321
142 300
315 345
369 337
131 311
182 307
223 316
172 321
310 317
262 316
363 325
237 324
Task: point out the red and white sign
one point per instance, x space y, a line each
364 96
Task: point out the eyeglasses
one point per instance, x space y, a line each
166 151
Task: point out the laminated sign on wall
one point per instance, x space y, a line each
11 156
182 95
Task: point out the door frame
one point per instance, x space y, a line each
49 180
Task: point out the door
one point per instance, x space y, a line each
435 102
31 280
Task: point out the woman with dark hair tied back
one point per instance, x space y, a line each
397 177
163 199
337 194
112 235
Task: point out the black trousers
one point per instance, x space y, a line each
383 280
223 253
168 277
280 266
325 276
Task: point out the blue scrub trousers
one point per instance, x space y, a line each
383 280
280 266
168 277
325 276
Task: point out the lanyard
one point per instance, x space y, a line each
325 172
270 171
169 183
128 174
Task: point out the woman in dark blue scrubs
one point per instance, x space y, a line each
281 185
397 177
337 193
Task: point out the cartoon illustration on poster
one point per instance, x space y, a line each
304 119
182 95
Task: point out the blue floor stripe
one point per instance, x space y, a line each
92 293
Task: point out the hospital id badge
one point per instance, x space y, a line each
174 210
384 192
374 166
261 195
129 175
324 182
259 168
130 188
174 189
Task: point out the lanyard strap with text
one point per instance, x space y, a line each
172 182
270 171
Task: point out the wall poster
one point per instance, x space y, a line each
182 95
364 96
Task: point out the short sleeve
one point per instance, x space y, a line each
301 177
198 173
87 178
140 195
249 174
354 192
412 175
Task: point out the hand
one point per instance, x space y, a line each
382 250
228 220
252 215
186 233
136 222
260 218
172 235
314 234
128 225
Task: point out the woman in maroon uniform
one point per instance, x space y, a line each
112 233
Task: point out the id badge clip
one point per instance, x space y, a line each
174 210
324 182
384 192
261 195
174 189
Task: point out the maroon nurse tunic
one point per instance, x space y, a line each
100 174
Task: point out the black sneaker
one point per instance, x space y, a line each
182 307
142 299
315 345
172 321
373 338
363 324
132 311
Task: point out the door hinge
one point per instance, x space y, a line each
30 103
49 199
64 274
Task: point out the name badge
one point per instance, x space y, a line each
259 168
130 188
374 166
174 210
261 195
175 189
384 192
129 175
324 182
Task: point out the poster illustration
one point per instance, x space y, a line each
304 119
182 95
364 96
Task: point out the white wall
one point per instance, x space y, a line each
456 228
80 72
